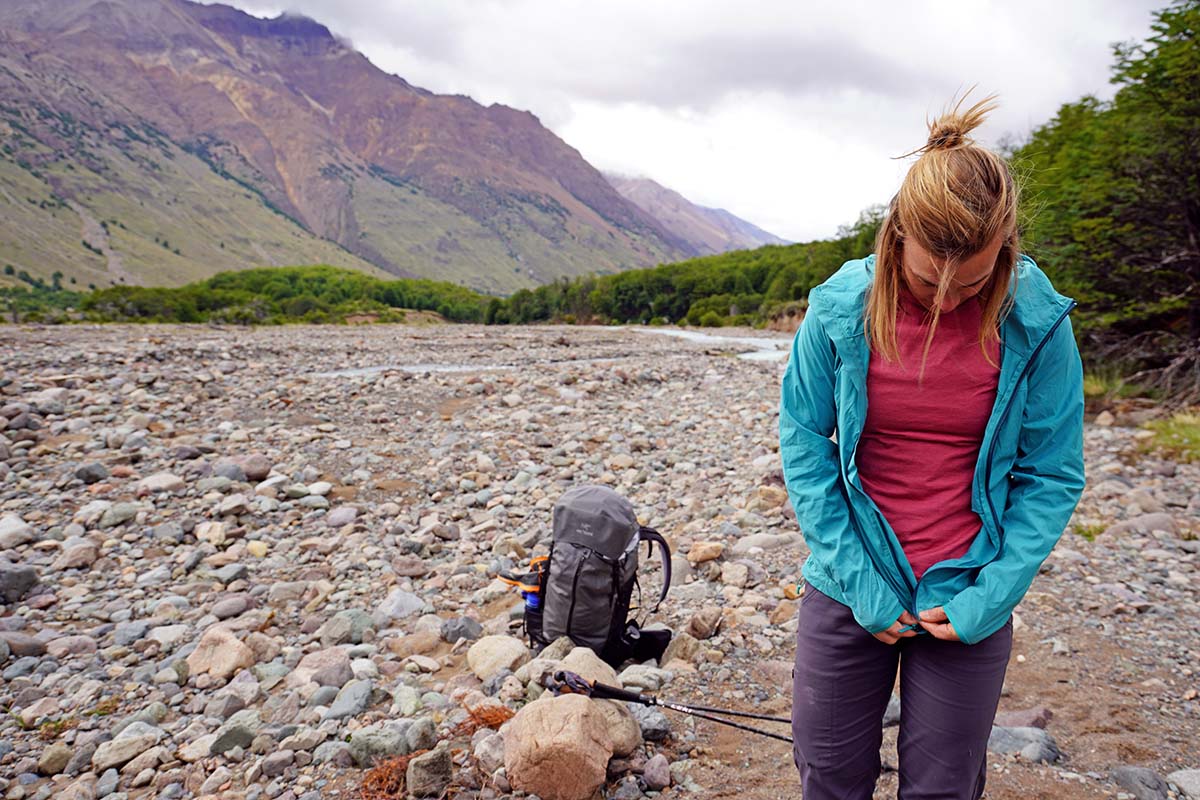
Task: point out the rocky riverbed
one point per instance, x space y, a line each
249 563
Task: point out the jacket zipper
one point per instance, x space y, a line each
987 475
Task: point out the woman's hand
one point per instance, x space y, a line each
902 628
936 622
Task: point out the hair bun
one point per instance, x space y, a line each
946 137
950 130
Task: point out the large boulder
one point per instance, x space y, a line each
220 654
328 667
14 532
583 661
623 727
16 581
558 748
491 654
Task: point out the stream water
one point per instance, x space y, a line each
755 348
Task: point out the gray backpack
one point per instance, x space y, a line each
586 584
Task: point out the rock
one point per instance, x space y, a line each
16 580
328 667
219 654
119 514
350 625
341 516
230 469
160 482
231 606
14 532
22 644
491 654
762 541
381 740
461 628
704 623
584 662
683 646
1143 783
220 776
735 574
423 641
1144 523
211 532
76 554
1033 744
169 635
558 748
489 751
258 549
627 789
771 496
238 731
430 773
1188 781
1037 717
352 700
657 773
398 605
406 700
701 552
54 759
277 763
643 678
126 633
83 788
117 752
256 467
653 722
91 472
891 714
232 505
558 649
66 646
623 729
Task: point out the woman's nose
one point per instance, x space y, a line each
951 301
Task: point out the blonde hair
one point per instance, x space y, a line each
955 200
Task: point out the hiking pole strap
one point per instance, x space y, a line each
649 535
606 692
729 722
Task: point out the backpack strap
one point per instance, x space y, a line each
652 537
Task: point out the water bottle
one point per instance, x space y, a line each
533 601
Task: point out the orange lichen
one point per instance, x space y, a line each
385 780
483 717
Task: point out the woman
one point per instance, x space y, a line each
931 433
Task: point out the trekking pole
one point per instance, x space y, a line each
572 683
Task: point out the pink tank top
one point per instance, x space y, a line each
916 457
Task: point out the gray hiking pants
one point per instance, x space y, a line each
841 686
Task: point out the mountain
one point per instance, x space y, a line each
160 141
707 230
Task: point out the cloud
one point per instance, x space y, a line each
785 113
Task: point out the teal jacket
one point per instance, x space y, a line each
1028 476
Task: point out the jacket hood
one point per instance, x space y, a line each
840 301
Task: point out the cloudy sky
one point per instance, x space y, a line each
788 114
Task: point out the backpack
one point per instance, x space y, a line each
584 588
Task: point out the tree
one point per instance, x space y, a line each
1116 190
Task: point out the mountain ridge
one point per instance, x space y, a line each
710 230
388 174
